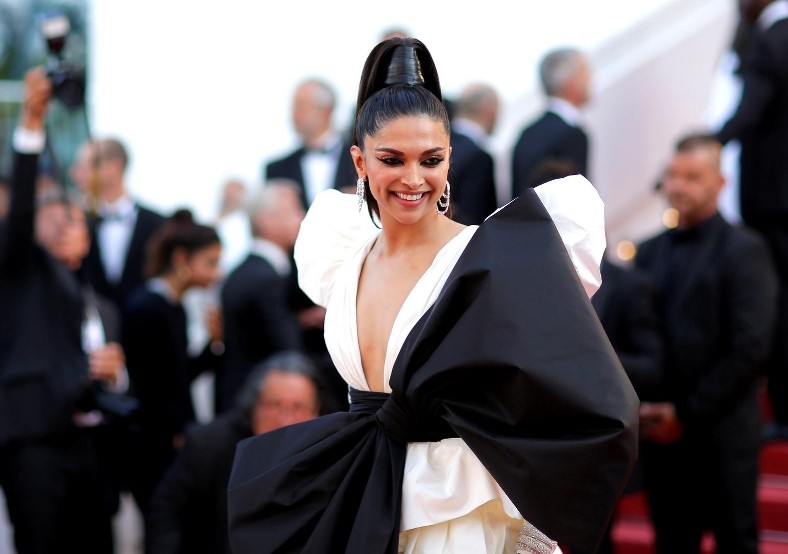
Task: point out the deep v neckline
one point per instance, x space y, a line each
405 302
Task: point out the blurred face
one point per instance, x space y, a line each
204 266
311 115
81 171
578 87
407 164
282 224
693 183
61 230
285 399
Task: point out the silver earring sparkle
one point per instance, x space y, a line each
443 201
360 192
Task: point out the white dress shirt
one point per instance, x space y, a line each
114 235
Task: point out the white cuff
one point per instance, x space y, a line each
28 141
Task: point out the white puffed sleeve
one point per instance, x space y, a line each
331 232
579 215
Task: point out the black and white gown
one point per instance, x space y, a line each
505 408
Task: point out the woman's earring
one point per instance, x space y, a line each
360 192
443 201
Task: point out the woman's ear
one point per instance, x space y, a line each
358 160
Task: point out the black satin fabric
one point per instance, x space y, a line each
512 359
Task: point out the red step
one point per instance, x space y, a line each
774 458
632 532
773 503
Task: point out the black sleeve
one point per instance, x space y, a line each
18 239
759 89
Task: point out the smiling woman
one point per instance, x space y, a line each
471 420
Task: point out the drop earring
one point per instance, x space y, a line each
443 201
360 192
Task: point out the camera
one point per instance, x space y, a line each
68 79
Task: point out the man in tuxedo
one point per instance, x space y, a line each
56 355
760 124
472 168
558 133
716 291
120 227
322 161
188 511
254 296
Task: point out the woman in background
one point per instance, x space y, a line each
182 255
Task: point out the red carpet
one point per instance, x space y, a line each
633 534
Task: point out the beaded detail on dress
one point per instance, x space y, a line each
533 541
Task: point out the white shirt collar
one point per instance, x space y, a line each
123 207
160 287
326 143
277 257
773 13
471 129
565 110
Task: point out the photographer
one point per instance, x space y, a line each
56 354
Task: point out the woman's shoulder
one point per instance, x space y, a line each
333 229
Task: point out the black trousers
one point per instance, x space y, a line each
776 235
58 495
693 487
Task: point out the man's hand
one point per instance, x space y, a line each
38 90
659 422
107 362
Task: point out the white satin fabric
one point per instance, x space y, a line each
449 499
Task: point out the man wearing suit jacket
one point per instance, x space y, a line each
120 228
558 134
257 319
472 168
55 351
322 161
188 513
760 123
716 291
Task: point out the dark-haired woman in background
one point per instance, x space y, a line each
488 408
181 255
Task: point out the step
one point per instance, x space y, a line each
774 458
637 537
772 504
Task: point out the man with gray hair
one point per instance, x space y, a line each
322 160
188 512
472 170
558 134
254 296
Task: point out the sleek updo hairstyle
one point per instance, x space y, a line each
179 232
399 79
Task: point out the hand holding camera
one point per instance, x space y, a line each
68 79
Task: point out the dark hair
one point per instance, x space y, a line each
399 79
550 169
113 149
286 361
691 141
179 232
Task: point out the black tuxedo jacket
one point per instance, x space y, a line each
188 512
548 138
625 306
257 323
43 369
761 126
289 167
148 222
717 328
472 178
